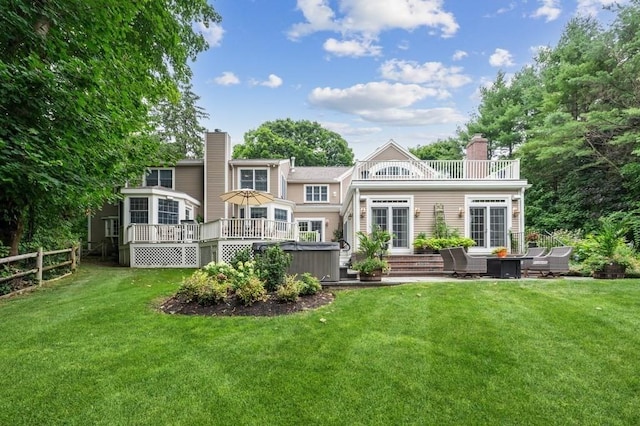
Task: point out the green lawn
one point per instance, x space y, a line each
91 349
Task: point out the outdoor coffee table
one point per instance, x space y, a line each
505 267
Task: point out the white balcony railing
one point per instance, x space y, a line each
437 170
246 229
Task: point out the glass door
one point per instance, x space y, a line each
396 221
488 226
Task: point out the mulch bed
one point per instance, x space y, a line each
232 307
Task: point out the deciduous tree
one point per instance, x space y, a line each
76 82
309 142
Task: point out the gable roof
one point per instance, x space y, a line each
391 151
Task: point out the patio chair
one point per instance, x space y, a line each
554 263
464 264
449 265
534 252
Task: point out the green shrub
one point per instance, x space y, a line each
309 284
242 256
200 287
271 266
289 290
221 271
250 291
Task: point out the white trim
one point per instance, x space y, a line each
323 220
409 199
502 200
239 177
320 185
161 192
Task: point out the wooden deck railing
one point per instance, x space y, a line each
242 229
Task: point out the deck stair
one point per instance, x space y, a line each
415 265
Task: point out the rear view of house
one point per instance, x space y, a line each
174 217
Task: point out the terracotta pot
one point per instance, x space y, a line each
502 253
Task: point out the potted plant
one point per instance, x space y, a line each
609 255
532 239
372 249
421 244
500 251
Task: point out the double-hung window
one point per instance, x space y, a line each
253 179
316 193
159 177
168 212
138 210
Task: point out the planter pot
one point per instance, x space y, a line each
611 271
373 276
424 251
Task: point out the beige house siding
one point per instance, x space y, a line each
190 180
296 193
426 200
217 154
390 152
97 223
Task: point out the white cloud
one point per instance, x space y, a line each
413 117
376 95
383 102
347 129
501 58
227 79
273 81
593 7
213 34
355 48
459 54
432 73
370 17
549 10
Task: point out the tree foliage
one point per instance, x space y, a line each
448 149
574 120
308 142
76 82
177 124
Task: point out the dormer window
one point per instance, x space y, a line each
159 177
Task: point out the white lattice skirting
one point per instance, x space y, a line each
164 256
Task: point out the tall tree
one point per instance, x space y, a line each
448 149
309 142
76 82
177 123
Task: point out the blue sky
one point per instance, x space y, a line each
370 70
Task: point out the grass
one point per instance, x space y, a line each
91 349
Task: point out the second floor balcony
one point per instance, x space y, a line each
441 170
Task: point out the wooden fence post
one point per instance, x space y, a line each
73 257
39 266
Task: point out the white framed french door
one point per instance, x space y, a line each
488 222
393 216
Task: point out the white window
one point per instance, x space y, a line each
316 193
258 212
254 179
311 230
138 210
111 226
168 212
281 215
159 177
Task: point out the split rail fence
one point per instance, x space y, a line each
72 260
